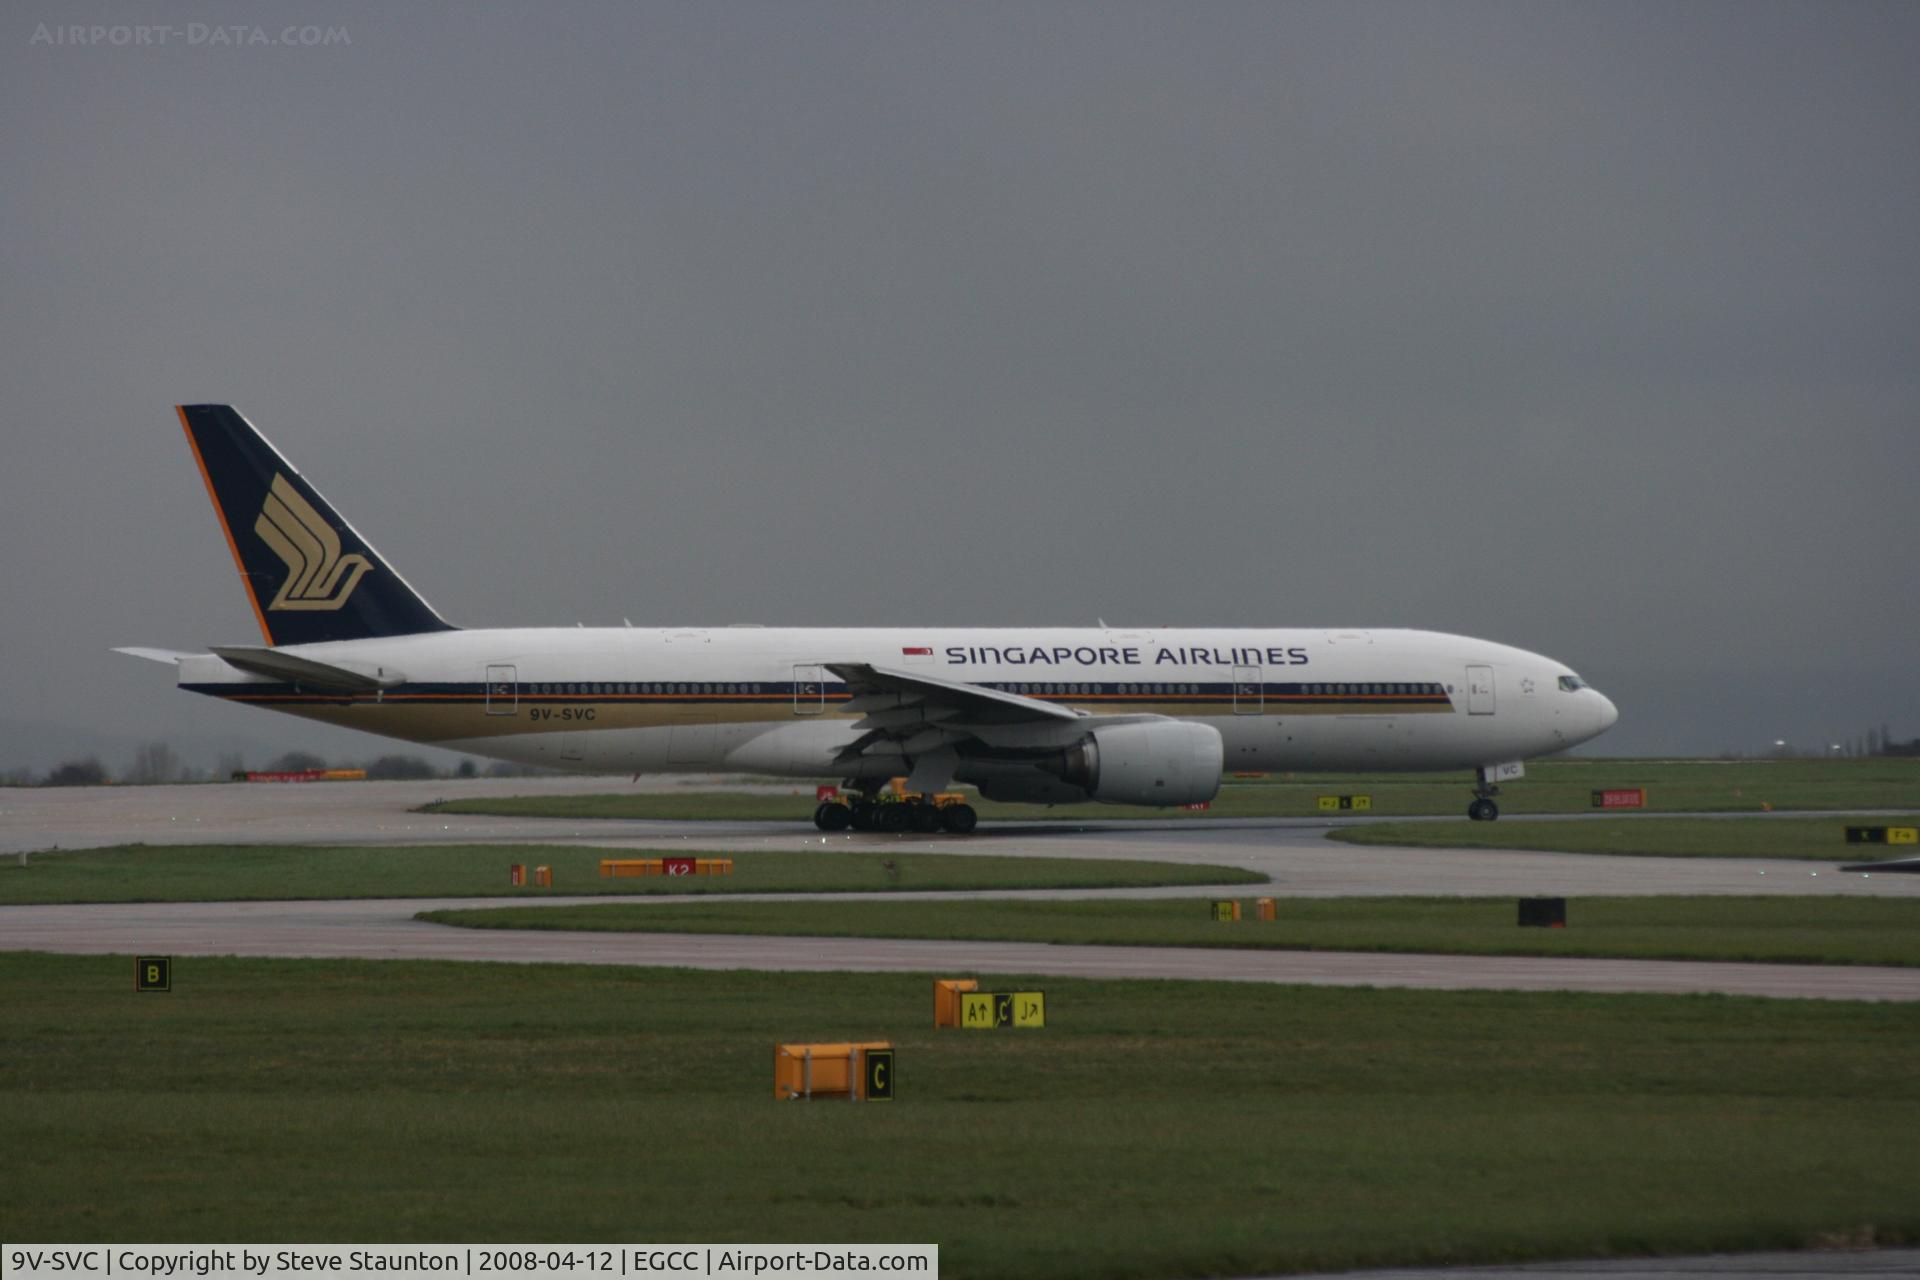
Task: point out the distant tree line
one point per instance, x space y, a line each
157 763
1869 743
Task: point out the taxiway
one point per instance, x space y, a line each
1292 852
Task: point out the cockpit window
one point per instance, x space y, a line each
1571 683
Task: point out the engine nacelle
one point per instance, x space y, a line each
1021 784
1159 762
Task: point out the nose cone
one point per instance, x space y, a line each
1605 711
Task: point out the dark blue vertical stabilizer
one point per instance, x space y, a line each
309 575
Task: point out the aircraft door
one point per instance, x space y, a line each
1248 693
1480 691
809 688
503 689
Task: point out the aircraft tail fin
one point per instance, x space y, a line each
309 574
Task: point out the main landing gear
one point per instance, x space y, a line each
1483 809
923 815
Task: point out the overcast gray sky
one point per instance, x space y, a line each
1590 328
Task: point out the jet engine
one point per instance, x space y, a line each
1162 762
1159 762
1020 784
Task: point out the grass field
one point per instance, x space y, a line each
1154 1129
1787 930
212 873
1816 839
1151 1130
1551 786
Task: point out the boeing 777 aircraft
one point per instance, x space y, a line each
1048 715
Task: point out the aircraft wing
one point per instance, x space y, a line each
912 715
880 690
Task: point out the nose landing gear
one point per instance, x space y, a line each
1483 808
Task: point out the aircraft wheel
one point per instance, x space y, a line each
890 817
1483 810
862 816
923 818
833 817
960 819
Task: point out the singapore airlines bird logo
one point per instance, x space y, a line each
318 576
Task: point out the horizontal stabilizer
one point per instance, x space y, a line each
276 664
156 655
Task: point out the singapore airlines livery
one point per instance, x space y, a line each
1048 715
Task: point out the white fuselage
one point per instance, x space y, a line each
760 700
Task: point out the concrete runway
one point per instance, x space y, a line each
1293 852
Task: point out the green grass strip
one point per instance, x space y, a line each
1817 839
1551 786
1803 930
225 873
1152 1129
